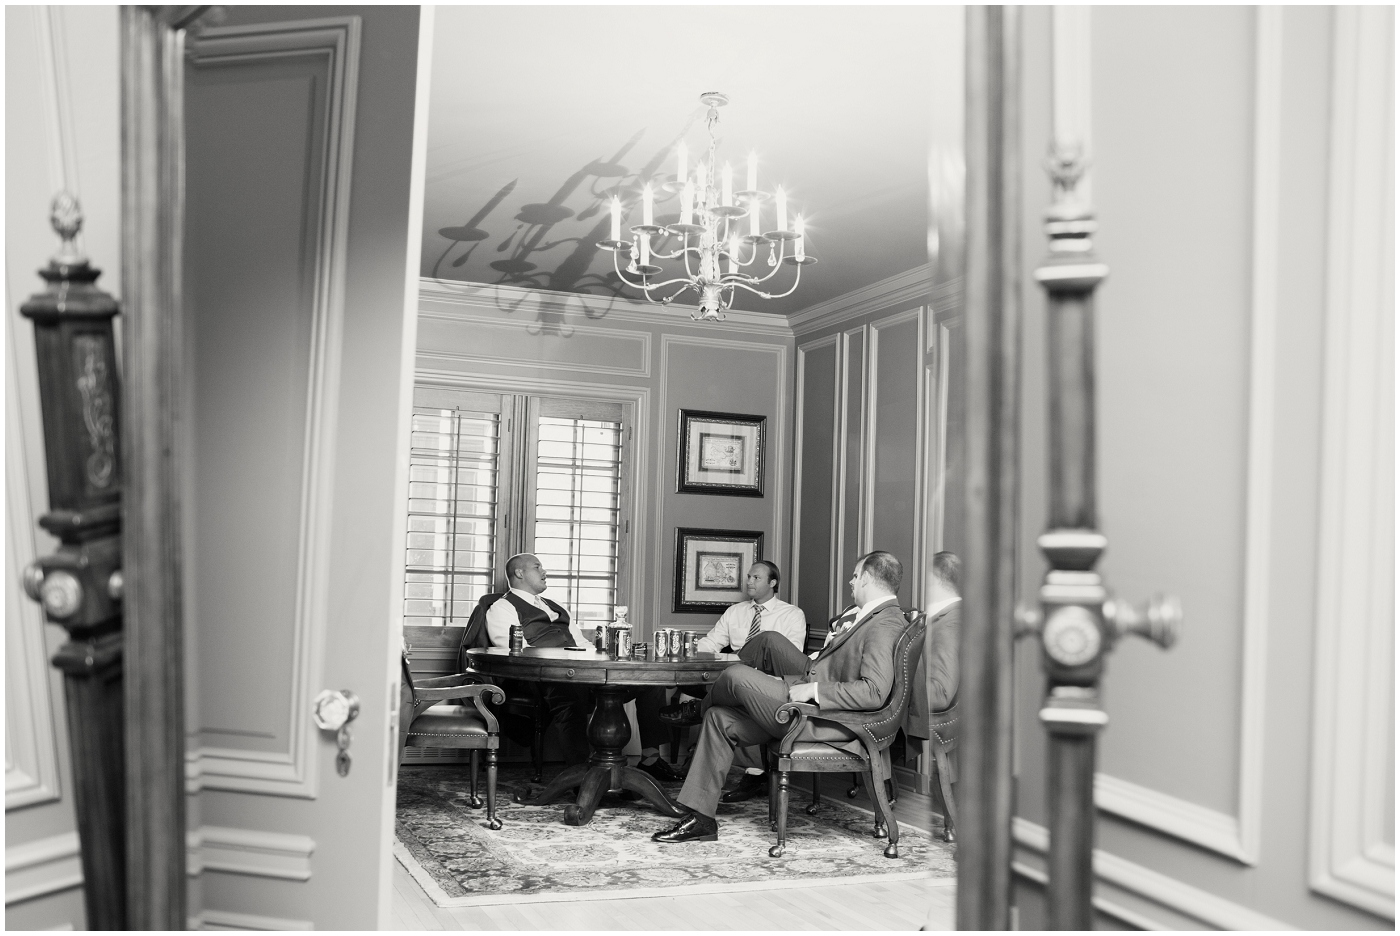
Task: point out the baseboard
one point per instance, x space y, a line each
42 867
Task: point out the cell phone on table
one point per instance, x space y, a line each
579 649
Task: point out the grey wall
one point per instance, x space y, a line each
1210 359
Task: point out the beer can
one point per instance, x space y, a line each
639 651
600 638
692 644
676 641
621 642
517 638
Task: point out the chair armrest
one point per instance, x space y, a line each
478 693
797 713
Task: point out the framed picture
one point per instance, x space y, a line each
710 567
721 453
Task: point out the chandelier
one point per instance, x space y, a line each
713 248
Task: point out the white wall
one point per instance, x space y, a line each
61 131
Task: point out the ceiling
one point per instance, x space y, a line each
539 115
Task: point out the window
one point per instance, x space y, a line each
492 475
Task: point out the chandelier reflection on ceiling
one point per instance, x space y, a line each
714 249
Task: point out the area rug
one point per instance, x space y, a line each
447 848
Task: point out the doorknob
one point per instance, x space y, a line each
334 710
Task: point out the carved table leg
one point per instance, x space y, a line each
607 768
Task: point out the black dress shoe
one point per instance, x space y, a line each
752 785
662 771
685 713
693 828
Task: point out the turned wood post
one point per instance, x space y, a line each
1077 621
80 585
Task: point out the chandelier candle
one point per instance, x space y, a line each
708 230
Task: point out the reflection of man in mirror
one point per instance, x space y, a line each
548 625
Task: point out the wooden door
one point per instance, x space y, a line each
301 251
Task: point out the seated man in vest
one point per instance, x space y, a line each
854 672
548 625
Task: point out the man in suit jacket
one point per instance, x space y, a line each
854 672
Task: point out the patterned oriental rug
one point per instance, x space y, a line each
447 848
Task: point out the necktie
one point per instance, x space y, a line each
753 625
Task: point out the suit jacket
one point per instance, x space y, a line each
855 672
936 679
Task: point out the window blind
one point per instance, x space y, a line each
578 473
454 460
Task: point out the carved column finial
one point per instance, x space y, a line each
66 216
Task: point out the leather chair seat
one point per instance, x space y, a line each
848 752
448 721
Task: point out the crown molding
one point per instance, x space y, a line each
911 285
591 308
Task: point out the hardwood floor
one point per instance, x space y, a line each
893 905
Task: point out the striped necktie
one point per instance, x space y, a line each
753 625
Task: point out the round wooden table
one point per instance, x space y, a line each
608 730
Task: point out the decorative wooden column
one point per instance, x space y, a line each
993 348
1077 622
80 586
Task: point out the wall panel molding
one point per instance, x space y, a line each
777 438
337 41
1138 895
844 388
558 308
467 314
872 404
44 866
799 410
1353 741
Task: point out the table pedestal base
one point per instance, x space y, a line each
607 768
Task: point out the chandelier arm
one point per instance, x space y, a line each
645 287
758 292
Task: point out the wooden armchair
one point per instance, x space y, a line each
867 751
425 723
524 699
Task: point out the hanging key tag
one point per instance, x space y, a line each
334 710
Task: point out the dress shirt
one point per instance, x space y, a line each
502 614
732 630
865 611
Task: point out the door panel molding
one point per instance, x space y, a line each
337 40
250 852
1234 836
1354 679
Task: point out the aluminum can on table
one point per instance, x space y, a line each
621 639
600 638
517 638
692 644
676 640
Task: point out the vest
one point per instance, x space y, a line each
540 631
